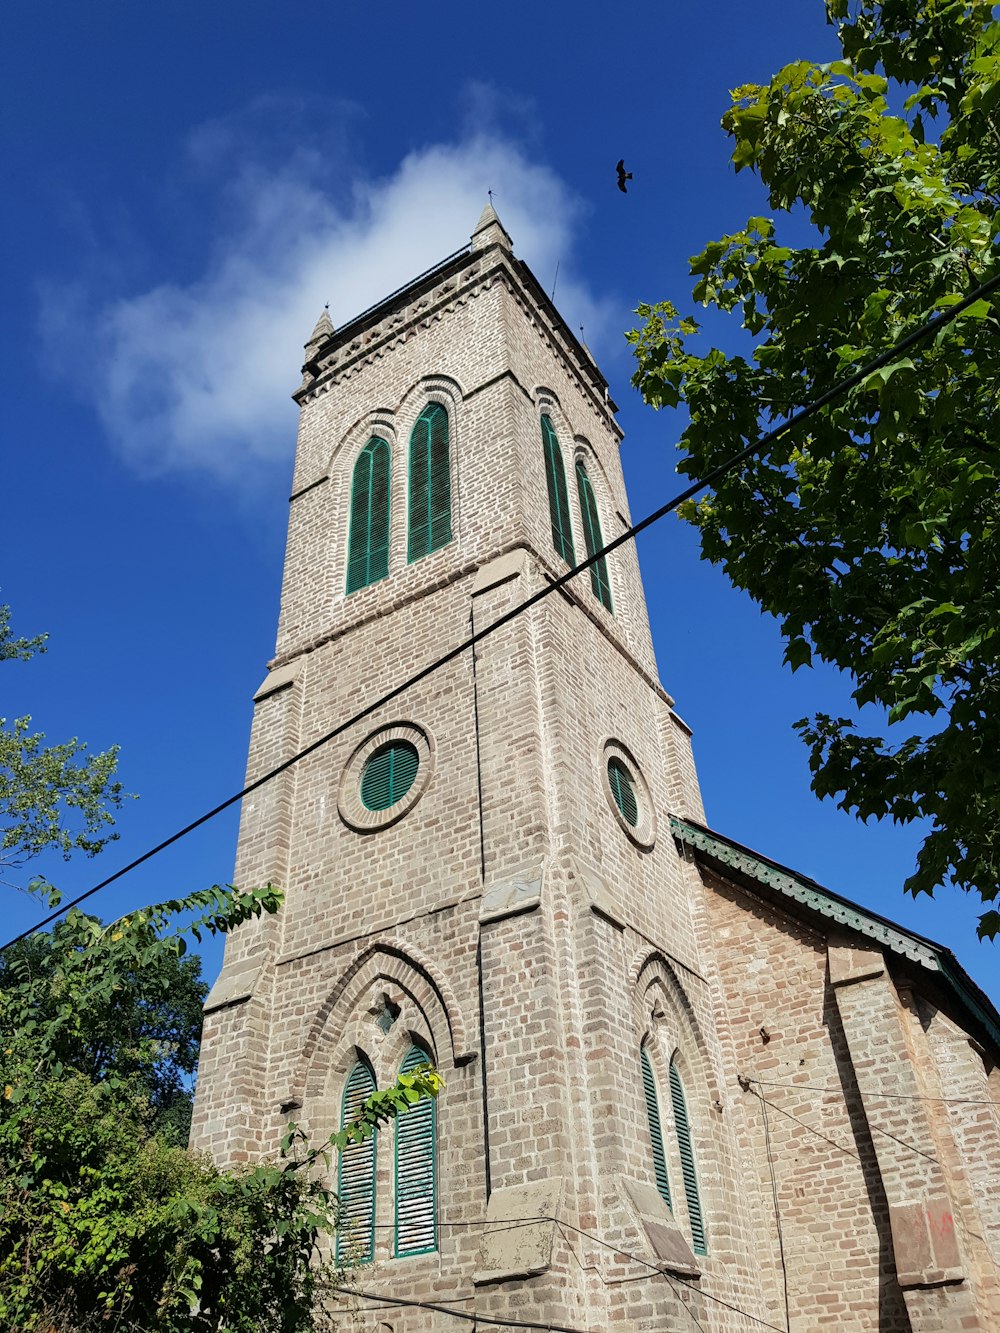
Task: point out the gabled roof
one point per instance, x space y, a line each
779 882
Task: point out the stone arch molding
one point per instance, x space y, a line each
443 389
429 1011
596 471
379 421
548 403
665 1019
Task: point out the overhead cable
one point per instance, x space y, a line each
758 445
470 1318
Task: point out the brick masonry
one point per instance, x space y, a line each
529 942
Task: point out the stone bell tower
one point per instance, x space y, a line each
685 1086
483 870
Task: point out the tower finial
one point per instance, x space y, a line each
489 229
324 327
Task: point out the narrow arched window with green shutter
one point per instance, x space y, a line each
430 483
555 480
593 537
368 543
687 1162
655 1130
416 1170
356 1176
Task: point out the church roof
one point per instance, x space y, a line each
778 881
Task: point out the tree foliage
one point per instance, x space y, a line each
873 535
105 1220
142 1026
52 797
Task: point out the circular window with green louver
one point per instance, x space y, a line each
623 790
628 794
385 777
388 775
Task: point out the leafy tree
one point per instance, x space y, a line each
874 535
52 797
144 1028
104 1220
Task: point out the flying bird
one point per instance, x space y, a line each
623 175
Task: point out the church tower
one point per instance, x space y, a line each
498 869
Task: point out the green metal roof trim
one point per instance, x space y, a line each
886 934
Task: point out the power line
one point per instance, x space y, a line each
839 1146
516 1222
458 1314
761 443
777 1211
671 1278
870 1092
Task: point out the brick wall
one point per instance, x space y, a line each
518 929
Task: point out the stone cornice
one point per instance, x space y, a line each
443 290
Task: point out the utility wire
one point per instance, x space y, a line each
470 1318
848 1152
763 442
777 1211
513 1224
671 1278
870 1092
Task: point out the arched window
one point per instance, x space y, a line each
555 480
593 537
368 545
356 1176
687 1162
430 483
416 1171
655 1131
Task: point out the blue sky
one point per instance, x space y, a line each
187 185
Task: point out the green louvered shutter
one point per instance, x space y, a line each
388 775
593 537
655 1133
368 544
356 1177
555 480
687 1162
416 1171
623 790
430 483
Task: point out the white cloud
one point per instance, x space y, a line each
196 376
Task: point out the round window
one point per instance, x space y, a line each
628 794
623 790
388 775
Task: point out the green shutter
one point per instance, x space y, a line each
555 479
430 483
356 1177
416 1171
592 536
655 1133
388 775
368 544
623 790
687 1162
